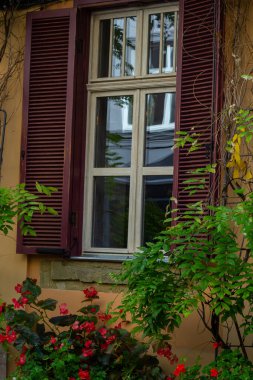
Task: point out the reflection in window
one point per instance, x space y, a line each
110 212
117 47
159 129
114 119
157 193
168 42
154 43
161 43
130 45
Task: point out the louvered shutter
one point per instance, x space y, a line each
197 89
47 122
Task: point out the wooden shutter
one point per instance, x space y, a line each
47 122
197 93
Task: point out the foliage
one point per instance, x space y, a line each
229 365
20 203
202 260
72 346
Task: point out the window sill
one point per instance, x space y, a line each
107 257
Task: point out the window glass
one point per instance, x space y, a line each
104 43
154 43
159 129
110 212
168 42
117 47
157 191
114 131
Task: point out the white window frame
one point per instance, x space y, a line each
139 86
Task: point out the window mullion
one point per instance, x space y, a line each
123 48
110 49
133 177
161 44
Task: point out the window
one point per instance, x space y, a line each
131 92
131 124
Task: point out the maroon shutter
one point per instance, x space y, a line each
47 122
197 85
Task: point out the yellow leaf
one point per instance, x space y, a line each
236 173
231 164
235 137
248 175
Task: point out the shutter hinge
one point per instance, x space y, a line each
73 218
79 46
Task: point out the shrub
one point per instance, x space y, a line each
73 346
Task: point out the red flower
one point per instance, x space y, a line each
71 378
103 331
2 307
111 339
63 309
169 378
88 343
167 353
118 326
53 340
88 326
214 372
18 288
83 374
179 369
104 317
217 345
16 304
93 310
87 352
22 360
23 301
90 292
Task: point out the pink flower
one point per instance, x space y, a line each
214 372
63 309
22 360
90 292
179 369
75 326
18 288
83 374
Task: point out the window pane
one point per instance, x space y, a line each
154 43
110 212
114 119
168 42
117 48
159 129
157 193
104 48
130 45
